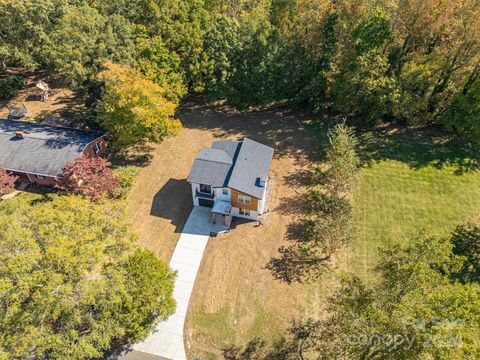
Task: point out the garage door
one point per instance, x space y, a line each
205 202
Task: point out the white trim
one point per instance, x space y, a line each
246 212
245 198
31 173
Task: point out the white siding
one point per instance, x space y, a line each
262 202
194 188
253 214
219 194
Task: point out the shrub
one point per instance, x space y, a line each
10 86
126 176
7 181
89 177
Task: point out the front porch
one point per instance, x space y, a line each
221 213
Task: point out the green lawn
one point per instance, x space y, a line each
409 182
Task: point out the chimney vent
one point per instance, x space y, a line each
260 182
20 134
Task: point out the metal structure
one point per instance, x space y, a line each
16 110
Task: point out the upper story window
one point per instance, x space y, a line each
225 191
244 199
207 189
96 148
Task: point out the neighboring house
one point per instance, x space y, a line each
231 177
38 153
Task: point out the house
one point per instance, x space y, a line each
38 153
231 178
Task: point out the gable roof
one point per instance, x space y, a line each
252 166
45 150
236 164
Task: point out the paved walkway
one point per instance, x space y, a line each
167 340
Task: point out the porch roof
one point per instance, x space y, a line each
222 207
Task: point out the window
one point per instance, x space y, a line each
96 148
244 212
225 191
244 199
40 177
207 189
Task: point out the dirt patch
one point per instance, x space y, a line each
63 107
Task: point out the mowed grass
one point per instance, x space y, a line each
409 182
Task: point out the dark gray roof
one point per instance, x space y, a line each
214 155
45 150
209 173
229 146
251 166
236 164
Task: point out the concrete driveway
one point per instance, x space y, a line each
167 340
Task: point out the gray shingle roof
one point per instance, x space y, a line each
214 155
236 164
252 164
229 146
46 149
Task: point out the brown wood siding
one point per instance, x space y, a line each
253 206
89 150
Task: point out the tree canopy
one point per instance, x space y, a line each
416 61
7 181
134 109
72 280
90 177
418 309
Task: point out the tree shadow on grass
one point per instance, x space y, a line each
139 155
418 148
288 132
297 343
292 263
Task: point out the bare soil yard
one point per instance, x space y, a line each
63 107
236 297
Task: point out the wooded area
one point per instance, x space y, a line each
411 60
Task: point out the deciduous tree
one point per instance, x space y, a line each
416 311
72 282
90 177
134 109
7 181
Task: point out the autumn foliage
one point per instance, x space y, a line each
90 177
7 181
